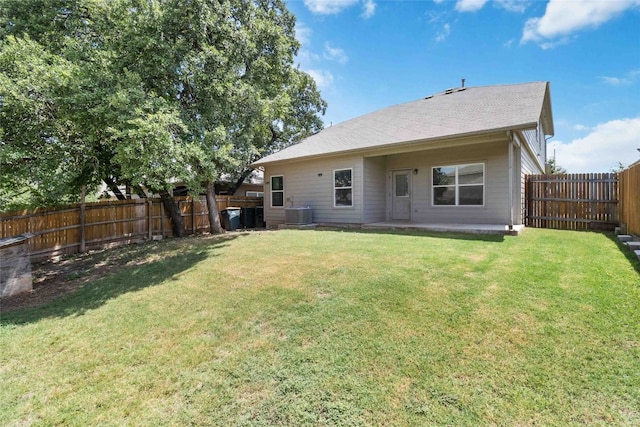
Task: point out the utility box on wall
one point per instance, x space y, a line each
15 265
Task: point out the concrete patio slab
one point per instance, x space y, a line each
456 228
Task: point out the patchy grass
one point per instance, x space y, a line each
337 328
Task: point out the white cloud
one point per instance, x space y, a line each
470 5
563 18
303 33
328 7
332 7
613 81
580 128
627 79
307 57
446 30
323 78
601 150
334 54
369 9
551 45
517 6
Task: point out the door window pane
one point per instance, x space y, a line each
402 185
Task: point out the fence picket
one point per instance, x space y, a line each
629 189
57 231
572 201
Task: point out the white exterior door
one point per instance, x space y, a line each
401 195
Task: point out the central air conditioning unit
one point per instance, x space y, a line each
298 215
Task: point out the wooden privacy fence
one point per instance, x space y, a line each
572 201
74 228
630 199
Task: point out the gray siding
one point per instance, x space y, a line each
534 138
374 207
310 183
529 166
495 157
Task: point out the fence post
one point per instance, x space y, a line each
527 197
193 215
150 222
83 208
162 219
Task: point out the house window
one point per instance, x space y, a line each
458 185
254 194
342 188
277 191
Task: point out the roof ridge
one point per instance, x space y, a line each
462 88
454 112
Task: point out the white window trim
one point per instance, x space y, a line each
334 188
271 191
258 193
456 185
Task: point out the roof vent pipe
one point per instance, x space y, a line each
463 82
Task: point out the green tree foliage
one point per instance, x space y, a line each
619 167
554 168
147 91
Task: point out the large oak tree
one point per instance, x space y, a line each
147 91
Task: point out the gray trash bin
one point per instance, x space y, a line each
231 219
248 217
260 217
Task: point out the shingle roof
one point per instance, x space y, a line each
455 112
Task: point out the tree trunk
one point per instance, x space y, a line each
234 187
174 211
214 218
114 188
140 192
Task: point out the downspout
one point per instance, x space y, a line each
546 154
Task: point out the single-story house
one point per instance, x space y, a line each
457 157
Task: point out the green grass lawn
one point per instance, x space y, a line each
306 328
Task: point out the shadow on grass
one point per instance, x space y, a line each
482 237
628 253
108 274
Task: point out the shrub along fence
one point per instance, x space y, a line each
74 228
572 201
630 199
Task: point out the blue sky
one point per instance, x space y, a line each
369 54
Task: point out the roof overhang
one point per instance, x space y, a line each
546 117
469 138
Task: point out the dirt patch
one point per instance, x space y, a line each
56 278
53 279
